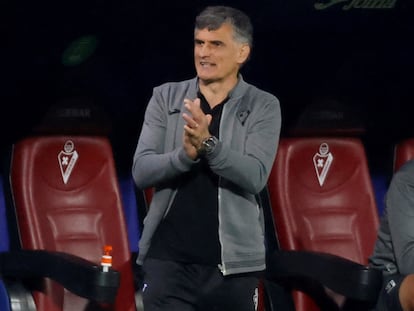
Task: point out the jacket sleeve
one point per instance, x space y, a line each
400 209
151 164
249 166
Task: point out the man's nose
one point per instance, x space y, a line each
204 50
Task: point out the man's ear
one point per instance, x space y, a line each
244 53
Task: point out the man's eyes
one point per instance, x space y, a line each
214 43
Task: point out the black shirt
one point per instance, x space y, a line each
189 232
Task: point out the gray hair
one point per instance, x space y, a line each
213 17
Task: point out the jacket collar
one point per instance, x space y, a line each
235 94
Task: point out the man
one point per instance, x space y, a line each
207 147
394 252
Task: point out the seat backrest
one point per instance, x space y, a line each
323 200
403 152
67 198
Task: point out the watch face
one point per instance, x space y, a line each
209 144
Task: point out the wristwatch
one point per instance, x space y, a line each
208 145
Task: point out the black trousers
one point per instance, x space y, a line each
388 299
175 286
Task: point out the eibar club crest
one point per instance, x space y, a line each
67 159
322 162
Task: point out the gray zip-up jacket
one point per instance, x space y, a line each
394 249
249 136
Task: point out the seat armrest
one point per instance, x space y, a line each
80 276
343 276
16 297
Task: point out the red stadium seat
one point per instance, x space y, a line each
323 201
67 199
403 152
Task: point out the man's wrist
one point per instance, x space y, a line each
207 146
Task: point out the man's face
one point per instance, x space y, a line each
217 55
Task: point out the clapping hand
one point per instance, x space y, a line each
196 127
